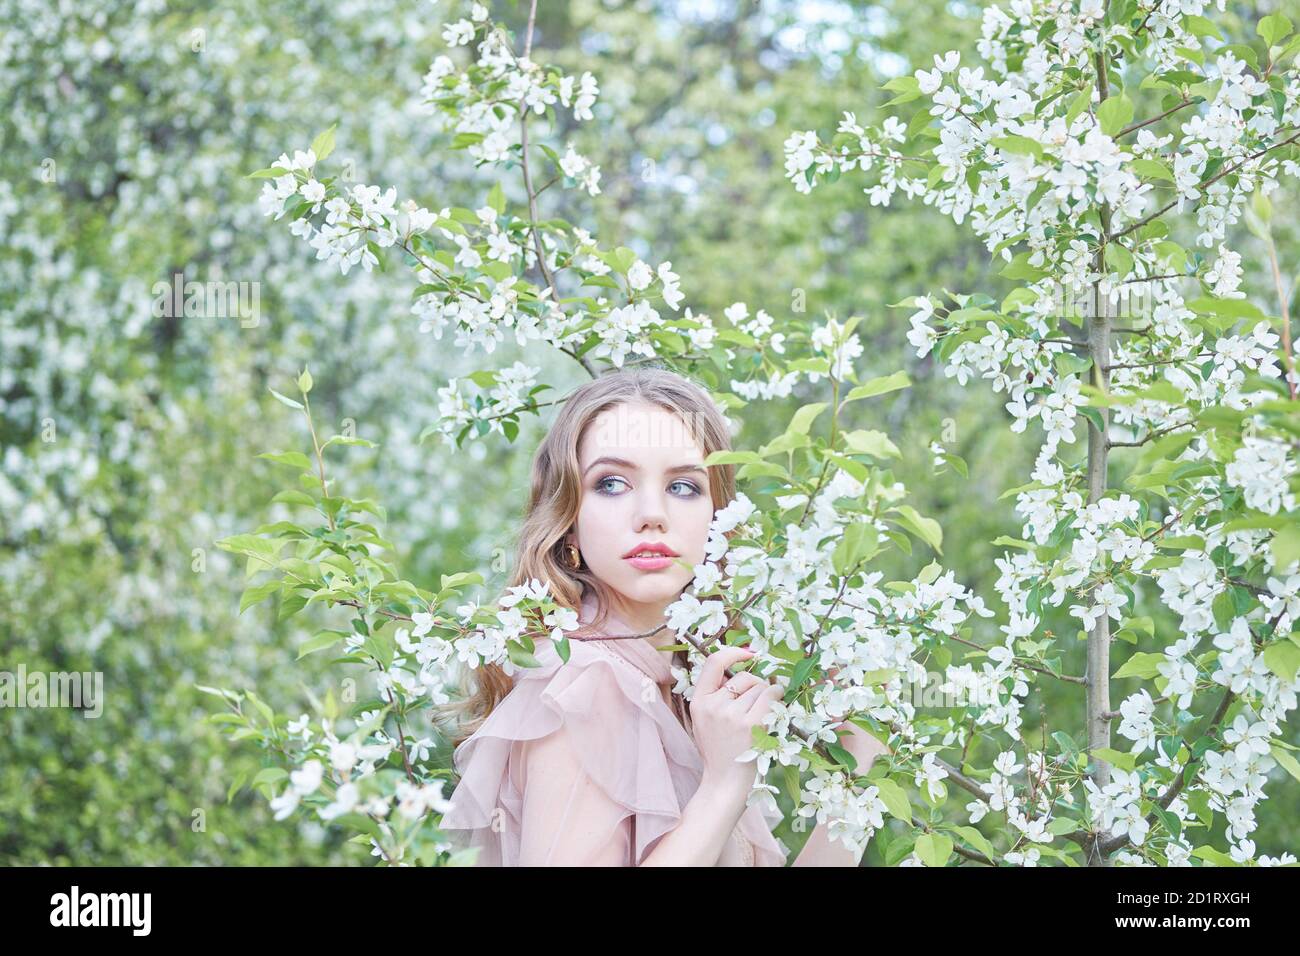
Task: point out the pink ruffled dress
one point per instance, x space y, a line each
612 765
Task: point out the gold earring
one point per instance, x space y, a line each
575 559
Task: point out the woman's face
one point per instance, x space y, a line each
644 488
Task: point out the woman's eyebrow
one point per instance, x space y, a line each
607 460
624 463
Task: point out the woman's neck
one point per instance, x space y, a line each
641 618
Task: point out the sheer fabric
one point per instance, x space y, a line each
584 763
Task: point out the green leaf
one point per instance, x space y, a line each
860 541
877 677
292 496
767 469
1145 624
790 781
799 676
1065 742
366 504
304 381
1292 47
870 442
235 785
1285 546
842 756
760 740
733 458
1274 28
1115 114
903 84
1019 145
294 459
1162 391
250 544
977 840
1019 268
259 593
803 419
894 797
345 440
1080 103
934 849
288 401
1141 664
262 708
323 144
1283 659
497 198
291 606
381 647
318 643
1228 308
927 529
621 259
900 98
1116 757
788 441
1286 760
359 821
1263 209
879 386
269 776
1201 27
1119 259
1153 169
958 463
1211 855
1224 610
459 580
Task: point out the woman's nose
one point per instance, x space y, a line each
651 513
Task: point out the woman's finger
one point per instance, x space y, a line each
746 700
758 710
713 673
737 684
736 689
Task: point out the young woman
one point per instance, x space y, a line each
595 761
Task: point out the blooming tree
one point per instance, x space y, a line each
1122 325
1036 161
126 127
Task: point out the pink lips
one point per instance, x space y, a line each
650 557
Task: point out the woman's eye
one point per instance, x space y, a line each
603 484
690 489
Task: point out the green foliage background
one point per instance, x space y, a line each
128 440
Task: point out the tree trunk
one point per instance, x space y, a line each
1098 672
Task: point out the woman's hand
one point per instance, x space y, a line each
862 744
724 712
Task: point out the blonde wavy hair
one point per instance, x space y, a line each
553 509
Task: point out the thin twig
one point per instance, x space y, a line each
1200 186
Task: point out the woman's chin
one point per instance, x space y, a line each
652 592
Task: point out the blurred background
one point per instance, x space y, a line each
128 438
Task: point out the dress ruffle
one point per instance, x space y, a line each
629 743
